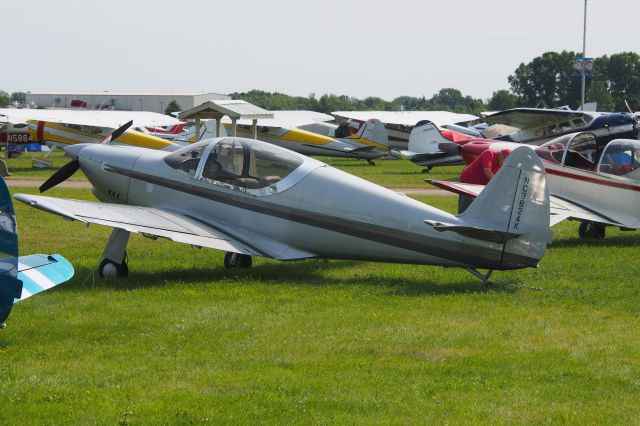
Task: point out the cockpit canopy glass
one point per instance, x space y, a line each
577 150
236 162
621 157
187 159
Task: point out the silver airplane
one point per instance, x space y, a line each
251 198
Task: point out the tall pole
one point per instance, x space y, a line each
584 55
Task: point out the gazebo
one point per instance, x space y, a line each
234 109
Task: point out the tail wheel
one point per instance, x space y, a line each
110 269
591 230
237 260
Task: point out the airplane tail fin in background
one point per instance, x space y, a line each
425 138
10 286
513 209
373 130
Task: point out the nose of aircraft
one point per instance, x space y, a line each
74 150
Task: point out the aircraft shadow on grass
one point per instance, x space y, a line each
307 273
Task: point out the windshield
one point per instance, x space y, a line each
621 157
553 151
248 164
187 159
238 163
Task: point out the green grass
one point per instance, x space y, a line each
389 173
184 341
20 167
393 173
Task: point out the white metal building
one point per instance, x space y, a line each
125 101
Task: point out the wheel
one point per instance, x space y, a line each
237 260
591 230
427 170
110 269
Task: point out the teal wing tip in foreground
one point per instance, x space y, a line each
40 272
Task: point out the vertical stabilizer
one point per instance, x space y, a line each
516 202
373 130
425 137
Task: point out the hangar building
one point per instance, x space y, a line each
125 101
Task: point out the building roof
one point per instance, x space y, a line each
235 109
108 93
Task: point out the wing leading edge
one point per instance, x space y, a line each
173 225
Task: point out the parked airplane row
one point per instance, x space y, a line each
251 198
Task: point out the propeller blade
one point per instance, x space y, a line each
117 133
64 173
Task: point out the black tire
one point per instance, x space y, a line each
121 270
245 261
237 260
591 231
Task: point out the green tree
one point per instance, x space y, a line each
547 81
503 99
278 101
599 93
450 99
172 107
20 97
620 73
5 99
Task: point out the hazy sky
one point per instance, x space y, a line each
358 48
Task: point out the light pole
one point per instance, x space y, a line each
584 55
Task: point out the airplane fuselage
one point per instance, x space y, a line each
316 209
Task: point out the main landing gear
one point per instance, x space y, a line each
427 170
237 260
114 256
591 230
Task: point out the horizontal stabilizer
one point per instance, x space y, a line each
40 272
495 235
449 148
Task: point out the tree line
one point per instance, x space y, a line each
547 81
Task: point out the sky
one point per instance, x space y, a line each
358 48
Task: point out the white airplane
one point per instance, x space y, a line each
307 132
60 127
23 276
251 198
597 185
537 125
400 123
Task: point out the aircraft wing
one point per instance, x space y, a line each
560 208
40 272
111 119
527 118
287 119
406 118
177 226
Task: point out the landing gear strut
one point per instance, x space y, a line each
591 230
237 260
484 277
114 256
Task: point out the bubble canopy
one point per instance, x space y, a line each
246 165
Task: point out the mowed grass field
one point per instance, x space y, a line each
184 341
389 173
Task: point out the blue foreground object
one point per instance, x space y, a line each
22 277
